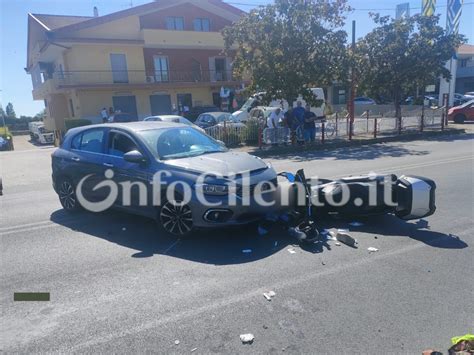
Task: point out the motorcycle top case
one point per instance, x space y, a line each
415 197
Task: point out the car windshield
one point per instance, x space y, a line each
152 118
179 142
470 102
205 119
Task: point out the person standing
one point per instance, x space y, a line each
309 125
273 122
298 112
104 114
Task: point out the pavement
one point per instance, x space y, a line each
118 287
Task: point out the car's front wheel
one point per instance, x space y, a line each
67 195
175 218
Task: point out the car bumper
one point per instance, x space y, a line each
244 211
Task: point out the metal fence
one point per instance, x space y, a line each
334 127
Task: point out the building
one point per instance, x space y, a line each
465 69
145 60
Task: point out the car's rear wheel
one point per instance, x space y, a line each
67 195
459 118
175 218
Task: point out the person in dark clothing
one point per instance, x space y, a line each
309 125
298 112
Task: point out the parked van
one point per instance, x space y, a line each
40 134
255 100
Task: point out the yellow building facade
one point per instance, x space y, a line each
151 59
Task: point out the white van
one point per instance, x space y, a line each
255 100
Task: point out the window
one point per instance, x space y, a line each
161 68
71 106
92 141
76 142
202 25
119 144
175 23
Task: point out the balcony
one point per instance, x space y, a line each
141 78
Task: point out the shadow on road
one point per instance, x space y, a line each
224 246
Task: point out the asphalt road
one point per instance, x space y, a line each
117 286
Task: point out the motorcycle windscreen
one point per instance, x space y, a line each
415 197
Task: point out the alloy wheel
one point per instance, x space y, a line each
176 218
67 195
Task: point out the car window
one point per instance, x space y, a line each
76 142
119 144
92 141
175 143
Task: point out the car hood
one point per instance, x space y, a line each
225 163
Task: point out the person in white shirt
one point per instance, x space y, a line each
273 120
104 115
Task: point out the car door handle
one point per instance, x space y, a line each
108 165
76 158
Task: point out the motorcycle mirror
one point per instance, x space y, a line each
289 176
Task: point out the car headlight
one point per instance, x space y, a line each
214 189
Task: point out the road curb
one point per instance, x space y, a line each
328 145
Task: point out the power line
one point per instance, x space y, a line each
385 9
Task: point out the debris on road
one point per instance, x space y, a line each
247 338
342 235
276 243
124 229
356 224
337 244
291 251
246 251
372 249
193 349
176 342
269 295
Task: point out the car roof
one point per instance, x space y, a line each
215 113
130 126
166 116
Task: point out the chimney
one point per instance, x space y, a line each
96 12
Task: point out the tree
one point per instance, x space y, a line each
401 54
40 115
10 111
290 46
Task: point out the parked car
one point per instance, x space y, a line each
136 151
261 113
6 139
460 99
428 101
173 118
195 111
469 94
460 114
364 101
256 100
210 119
122 117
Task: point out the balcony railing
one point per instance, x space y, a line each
72 78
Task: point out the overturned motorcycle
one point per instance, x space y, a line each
407 197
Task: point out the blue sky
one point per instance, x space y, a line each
15 84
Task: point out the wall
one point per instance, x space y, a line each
91 102
157 20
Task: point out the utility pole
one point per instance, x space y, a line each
352 96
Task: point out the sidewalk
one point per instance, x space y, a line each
267 151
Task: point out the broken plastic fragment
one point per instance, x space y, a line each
337 244
247 338
124 229
292 251
176 342
372 249
269 295
356 224
193 349
246 251
346 239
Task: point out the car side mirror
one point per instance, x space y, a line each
289 176
134 156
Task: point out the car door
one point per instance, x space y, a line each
132 177
86 159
